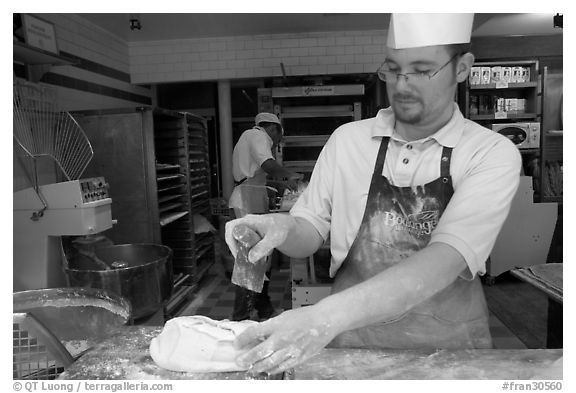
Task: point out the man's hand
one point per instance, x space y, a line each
293 181
281 343
273 228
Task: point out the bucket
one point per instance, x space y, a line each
141 273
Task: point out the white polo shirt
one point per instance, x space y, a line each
485 169
252 149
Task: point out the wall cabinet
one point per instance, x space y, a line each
156 164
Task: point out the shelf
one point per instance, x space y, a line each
198 186
171 188
172 206
555 133
170 177
312 140
169 198
302 115
168 218
199 195
492 86
299 164
557 199
530 151
511 116
29 55
162 167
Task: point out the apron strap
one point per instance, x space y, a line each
445 164
379 167
237 183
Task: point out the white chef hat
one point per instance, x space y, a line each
417 30
268 118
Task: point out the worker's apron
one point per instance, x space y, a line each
398 222
250 196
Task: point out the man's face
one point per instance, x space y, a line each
419 102
276 135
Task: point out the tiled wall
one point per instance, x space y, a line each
100 79
256 56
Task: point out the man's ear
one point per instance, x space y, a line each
464 66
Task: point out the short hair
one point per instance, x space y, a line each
265 124
455 50
458 49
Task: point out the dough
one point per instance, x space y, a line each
198 344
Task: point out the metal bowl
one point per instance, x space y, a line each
77 317
142 273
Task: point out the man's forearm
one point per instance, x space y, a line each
272 168
302 241
394 291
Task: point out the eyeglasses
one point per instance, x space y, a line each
387 75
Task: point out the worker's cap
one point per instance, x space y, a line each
417 30
265 117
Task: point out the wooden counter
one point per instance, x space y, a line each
126 356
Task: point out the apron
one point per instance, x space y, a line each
250 196
397 222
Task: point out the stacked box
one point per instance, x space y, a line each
506 74
496 74
473 104
475 76
521 105
485 105
511 104
516 75
525 74
501 104
485 75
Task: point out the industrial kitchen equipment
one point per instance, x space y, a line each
54 327
78 208
142 273
44 213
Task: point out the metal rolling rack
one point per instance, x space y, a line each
183 192
172 185
198 161
149 158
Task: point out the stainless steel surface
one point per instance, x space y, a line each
126 356
78 317
146 280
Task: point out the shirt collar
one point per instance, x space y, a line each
264 131
448 136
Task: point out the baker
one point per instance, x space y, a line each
253 162
412 200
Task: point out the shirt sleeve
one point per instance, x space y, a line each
315 203
260 146
480 204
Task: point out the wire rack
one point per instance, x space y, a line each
37 353
43 130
